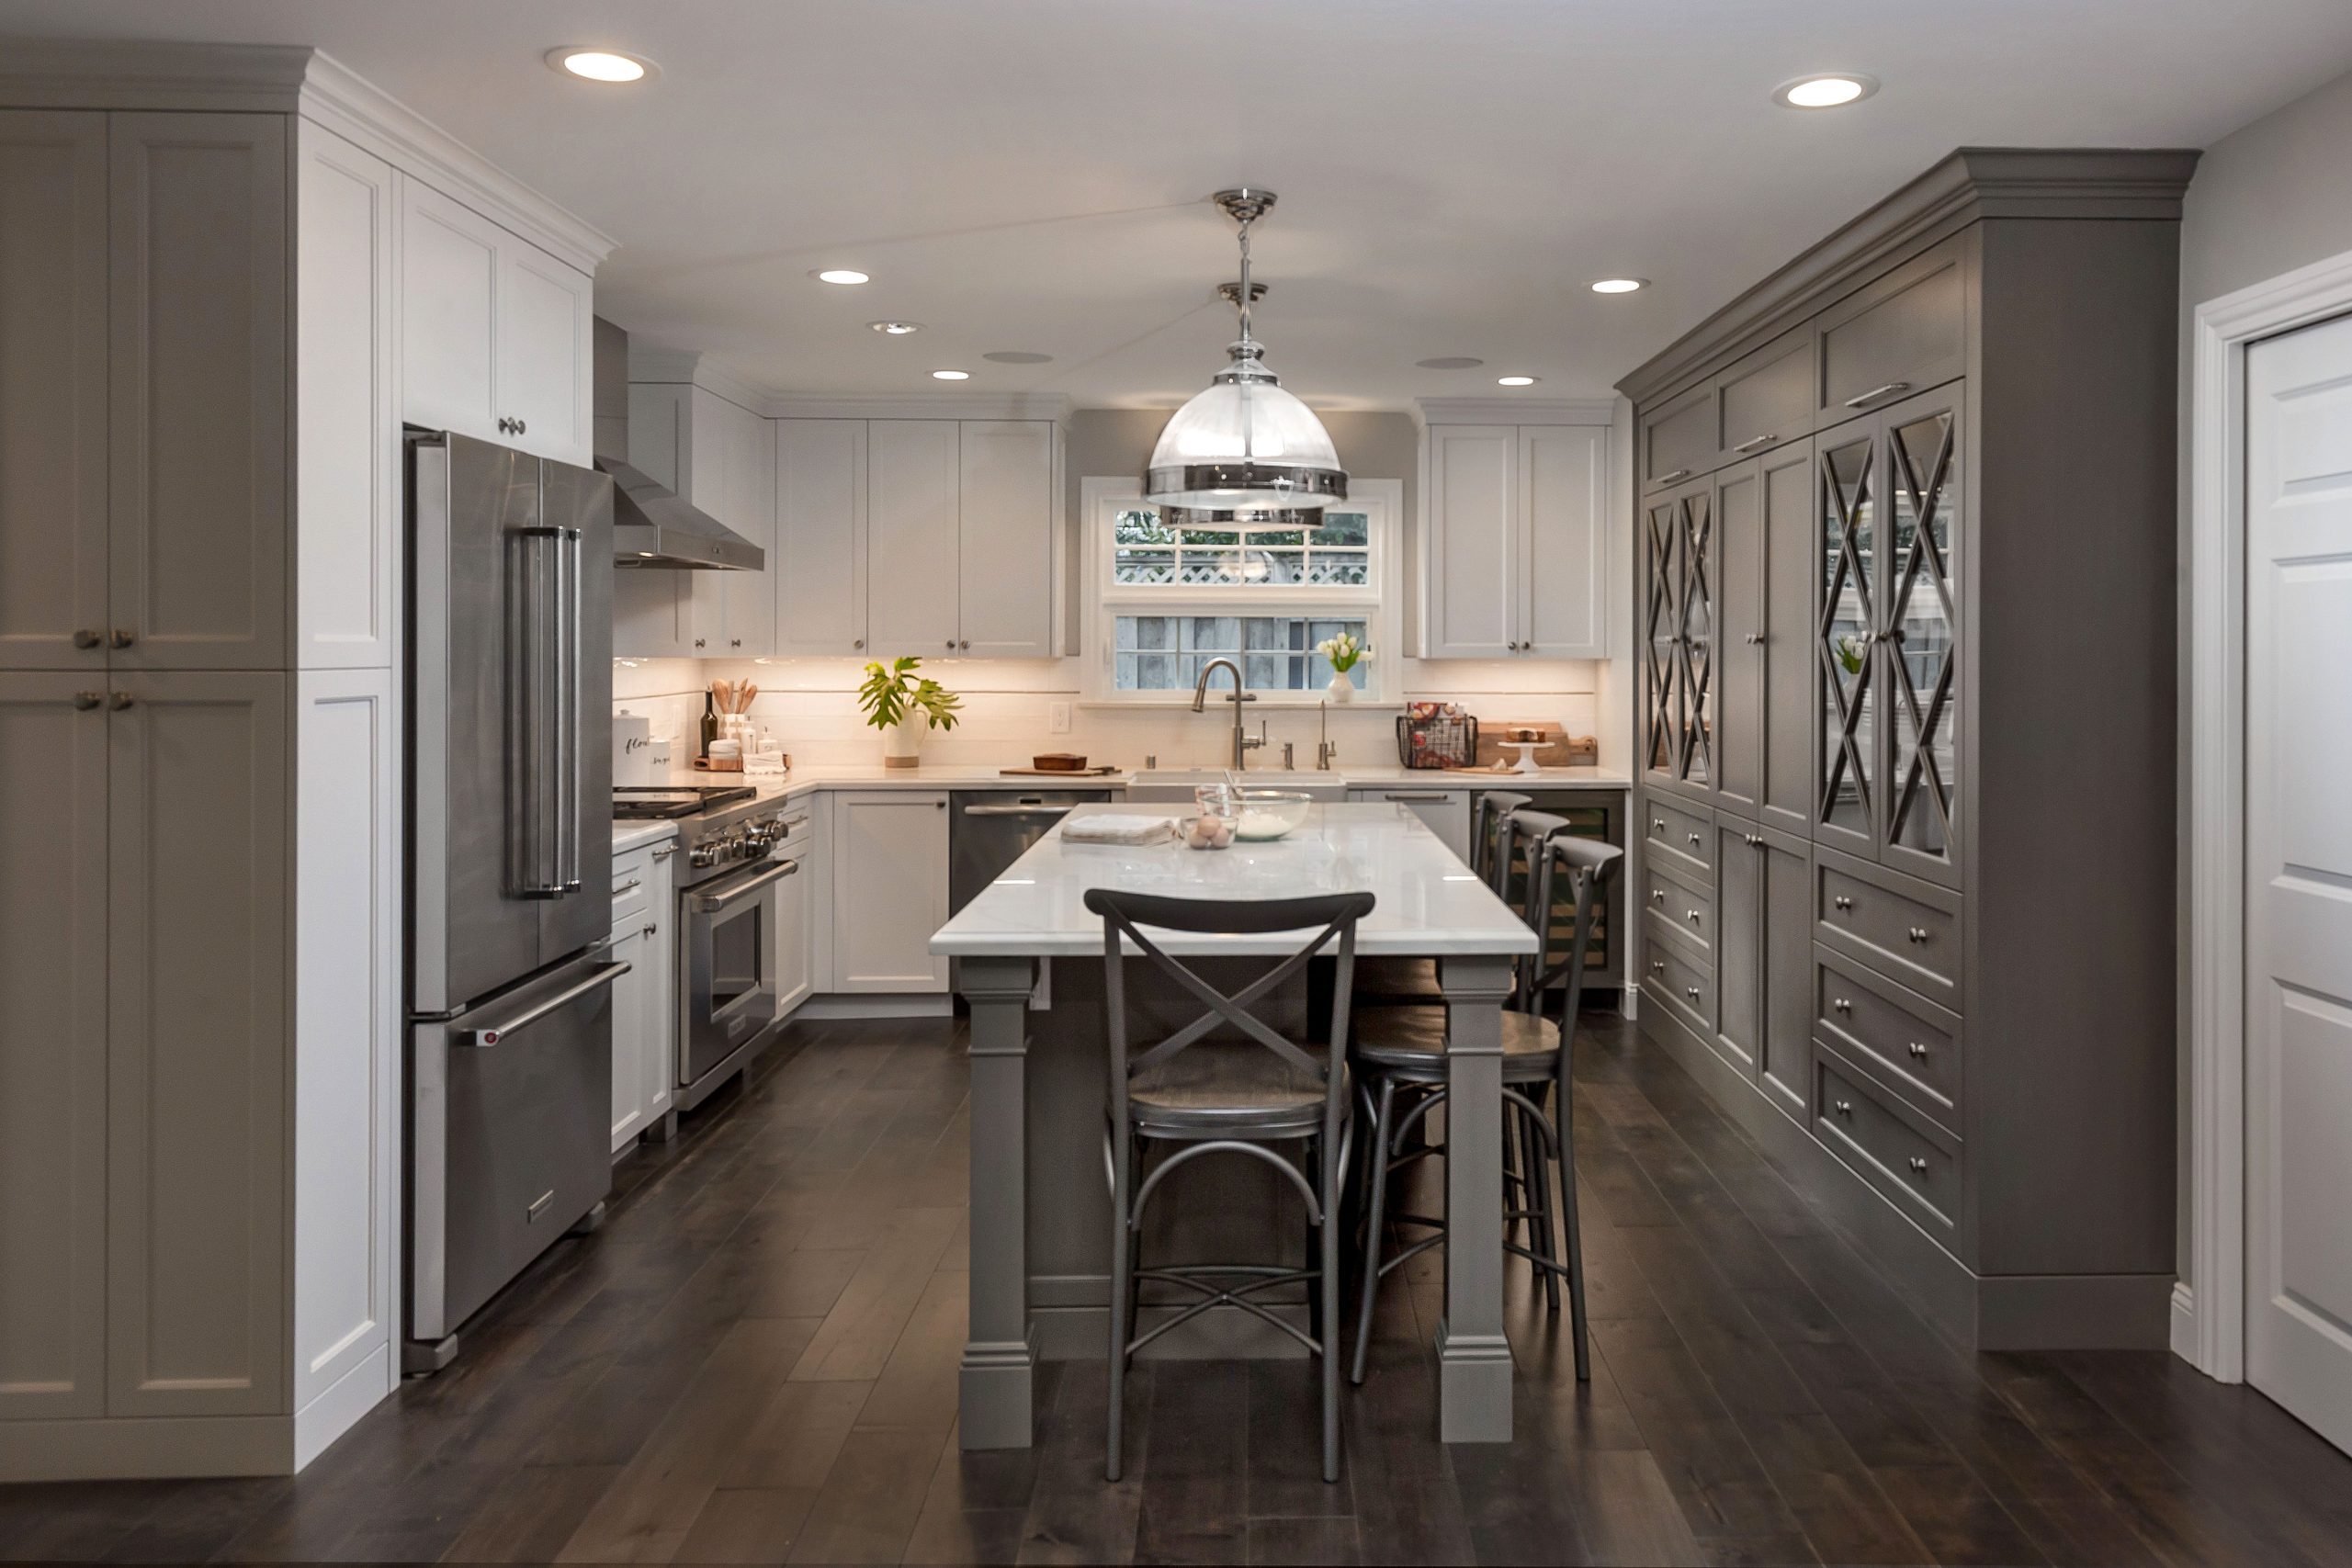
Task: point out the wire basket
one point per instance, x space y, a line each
1438 742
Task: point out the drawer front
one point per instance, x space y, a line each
633 885
1916 1049
1768 397
1678 438
1902 936
1906 334
1669 903
1918 1173
1679 837
1687 983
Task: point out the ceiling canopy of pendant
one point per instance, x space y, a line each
1245 443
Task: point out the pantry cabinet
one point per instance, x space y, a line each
1513 541
496 335
890 854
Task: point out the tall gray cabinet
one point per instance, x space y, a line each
1904 534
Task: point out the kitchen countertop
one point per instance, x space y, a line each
812 776
636 834
1429 903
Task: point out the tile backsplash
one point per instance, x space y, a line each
810 707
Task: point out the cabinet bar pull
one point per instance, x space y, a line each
1694 838
1678 474
665 851
1658 824
1752 443
1877 392
632 885
1425 797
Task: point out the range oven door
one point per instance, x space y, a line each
727 935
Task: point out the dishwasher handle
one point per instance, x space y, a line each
1028 809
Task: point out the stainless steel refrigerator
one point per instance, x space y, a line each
509 706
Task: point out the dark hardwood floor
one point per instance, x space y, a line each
755 1362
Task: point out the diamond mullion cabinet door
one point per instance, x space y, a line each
1471 536
819 567
1696 650
52 1044
1661 591
53 390
1923 440
196 1123
1005 593
197 558
914 505
1849 473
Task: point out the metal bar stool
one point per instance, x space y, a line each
1412 982
1256 1096
1399 1056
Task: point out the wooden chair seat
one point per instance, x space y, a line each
1229 1087
1412 1041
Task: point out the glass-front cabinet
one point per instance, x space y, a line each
1889 510
1678 650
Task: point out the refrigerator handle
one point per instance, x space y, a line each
567 715
533 781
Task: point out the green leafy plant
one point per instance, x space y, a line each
892 693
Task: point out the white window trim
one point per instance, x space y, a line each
1101 601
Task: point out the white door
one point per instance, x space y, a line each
819 567
1007 539
1470 563
890 890
1564 501
2298 875
630 1042
448 314
914 507
750 615
545 340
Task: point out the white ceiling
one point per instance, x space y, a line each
1031 175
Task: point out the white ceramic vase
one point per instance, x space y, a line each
1342 691
903 744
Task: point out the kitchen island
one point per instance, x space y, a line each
1041 1220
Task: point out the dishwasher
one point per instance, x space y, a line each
987 829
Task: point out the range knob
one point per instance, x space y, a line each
702 856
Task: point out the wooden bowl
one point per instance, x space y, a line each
1057 763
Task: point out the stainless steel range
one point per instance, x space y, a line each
729 866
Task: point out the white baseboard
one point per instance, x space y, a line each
340 1405
841 1004
2184 1323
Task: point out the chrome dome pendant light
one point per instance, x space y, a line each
1245 448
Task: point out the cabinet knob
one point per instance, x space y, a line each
698 642
1845 1107
966 643
1694 839
650 930
1693 916
123 636
858 643
1657 965
1918 1166
1917 934
85 701
1657 894
1755 639
734 642
120 701
1690 991
1658 824
951 642
520 426
1841 902
88 636
1841 1004
941 804
1918 1052
1755 841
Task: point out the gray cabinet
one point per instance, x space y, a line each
1906 714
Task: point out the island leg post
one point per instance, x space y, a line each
999 1362
1474 1356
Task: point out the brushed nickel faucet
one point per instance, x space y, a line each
1242 744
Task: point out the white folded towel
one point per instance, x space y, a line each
1110 829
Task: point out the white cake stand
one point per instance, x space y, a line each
1526 749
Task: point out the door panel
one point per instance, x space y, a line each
890 891
53 390
196 1031
448 314
2298 875
1661 671
1564 477
52 1045
1785 543
1696 764
545 338
751 595
1473 592
1739 520
1739 950
1845 640
914 485
196 558
1784 1048
819 562
1924 449
1005 595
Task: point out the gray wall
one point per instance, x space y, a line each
2270 198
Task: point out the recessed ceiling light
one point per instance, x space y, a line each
1018 356
951 375
840 274
894 329
1450 362
1516 381
601 64
1825 92
1619 285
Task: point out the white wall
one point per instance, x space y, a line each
2270 197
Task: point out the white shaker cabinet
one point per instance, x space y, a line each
914 525
889 855
818 563
645 1019
496 335
1445 812
53 390
802 900
1006 544
1514 540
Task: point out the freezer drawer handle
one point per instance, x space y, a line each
711 903
602 976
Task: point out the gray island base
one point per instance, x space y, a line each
1029 964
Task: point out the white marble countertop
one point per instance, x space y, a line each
809 777
636 834
1429 903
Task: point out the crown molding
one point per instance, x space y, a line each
1970 183
1054 406
290 79
1513 410
691 367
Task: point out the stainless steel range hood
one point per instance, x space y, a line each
653 526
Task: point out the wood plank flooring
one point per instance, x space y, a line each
755 1362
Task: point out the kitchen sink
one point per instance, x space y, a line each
1160 784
